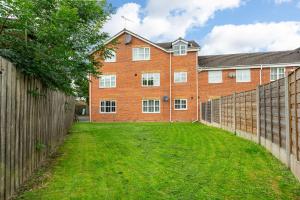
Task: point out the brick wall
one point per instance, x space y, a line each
129 93
229 85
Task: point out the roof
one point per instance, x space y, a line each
247 59
192 45
168 45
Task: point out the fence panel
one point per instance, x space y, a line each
245 112
216 111
272 112
33 122
294 112
227 112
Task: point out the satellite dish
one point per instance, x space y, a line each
128 38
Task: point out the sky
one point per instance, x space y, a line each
219 26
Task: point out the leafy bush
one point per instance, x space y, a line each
52 39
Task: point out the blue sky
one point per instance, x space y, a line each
227 26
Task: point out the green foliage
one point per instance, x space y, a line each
52 39
35 93
39 146
163 161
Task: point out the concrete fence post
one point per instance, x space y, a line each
258 114
211 111
220 103
234 113
287 120
200 111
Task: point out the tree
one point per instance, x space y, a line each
52 39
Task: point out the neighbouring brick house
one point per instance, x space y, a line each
146 81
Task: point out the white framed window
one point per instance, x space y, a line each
180 104
107 81
141 53
243 75
180 77
180 49
112 57
150 79
108 106
215 77
151 106
277 73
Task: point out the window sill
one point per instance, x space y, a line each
107 87
216 83
151 112
140 60
150 86
180 83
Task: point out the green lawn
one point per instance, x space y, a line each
163 161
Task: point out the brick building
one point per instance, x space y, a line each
146 81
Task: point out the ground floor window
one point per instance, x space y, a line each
108 106
180 104
151 106
277 73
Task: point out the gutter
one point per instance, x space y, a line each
260 74
202 68
90 99
170 67
197 89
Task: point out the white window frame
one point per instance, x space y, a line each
181 77
112 58
243 75
212 79
149 77
110 76
104 112
147 111
277 73
180 104
141 52
180 49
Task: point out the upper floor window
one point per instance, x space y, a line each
243 75
108 106
150 79
107 81
215 77
180 77
112 57
180 104
277 73
151 106
141 53
180 49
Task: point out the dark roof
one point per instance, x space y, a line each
168 45
230 60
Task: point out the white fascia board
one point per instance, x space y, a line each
180 40
249 66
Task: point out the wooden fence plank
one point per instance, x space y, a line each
29 120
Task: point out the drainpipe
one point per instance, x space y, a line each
170 67
90 98
260 75
197 85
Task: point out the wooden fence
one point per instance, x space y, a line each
33 122
268 115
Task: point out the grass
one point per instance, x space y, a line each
162 161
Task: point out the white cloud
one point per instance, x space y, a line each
166 19
282 1
252 38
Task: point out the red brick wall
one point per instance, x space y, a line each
229 85
129 93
